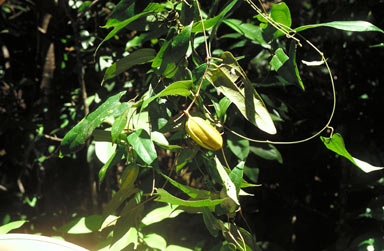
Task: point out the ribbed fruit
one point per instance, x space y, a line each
203 133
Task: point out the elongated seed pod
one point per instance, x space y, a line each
203 133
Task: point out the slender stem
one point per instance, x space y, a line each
327 125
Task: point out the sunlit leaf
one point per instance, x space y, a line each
236 176
83 225
161 213
177 248
336 144
11 226
155 241
355 26
130 237
281 14
181 88
228 184
143 145
247 100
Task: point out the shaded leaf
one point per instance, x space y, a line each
78 135
118 26
293 64
175 52
113 160
192 192
250 31
140 56
119 125
120 13
336 144
209 23
166 197
268 154
238 146
213 224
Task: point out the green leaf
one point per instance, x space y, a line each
268 154
83 225
118 199
238 146
155 241
120 13
355 26
228 184
143 145
129 176
119 125
213 224
377 45
113 160
175 52
336 144
250 31
4 229
209 23
247 100
104 150
279 59
293 64
186 155
129 218
177 248
286 67
140 56
161 213
236 176
192 192
281 14
118 26
181 88
130 237
166 197
78 135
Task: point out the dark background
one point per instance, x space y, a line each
315 200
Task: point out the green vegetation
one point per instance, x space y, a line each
93 124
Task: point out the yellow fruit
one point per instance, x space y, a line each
203 133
